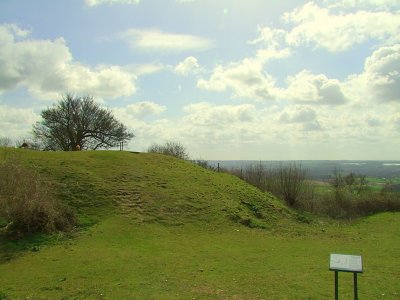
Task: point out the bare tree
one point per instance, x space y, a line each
5 142
256 174
79 121
353 183
290 182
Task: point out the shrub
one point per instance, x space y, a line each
343 197
204 164
5 142
170 148
343 203
256 175
373 202
291 181
287 182
28 204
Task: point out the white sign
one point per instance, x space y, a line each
346 263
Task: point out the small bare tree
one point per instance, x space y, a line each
290 182
256 175
5 142
352 183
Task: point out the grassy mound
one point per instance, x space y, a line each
151 188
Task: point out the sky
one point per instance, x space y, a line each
228 79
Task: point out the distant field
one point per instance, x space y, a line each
324 169
380 183
379 174
372 183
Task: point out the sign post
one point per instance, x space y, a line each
345 263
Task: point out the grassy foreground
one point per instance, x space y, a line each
120 260
158 228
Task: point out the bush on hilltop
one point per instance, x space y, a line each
171 148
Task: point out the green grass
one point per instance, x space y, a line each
117 259
374 184
159 228
377 184
152 188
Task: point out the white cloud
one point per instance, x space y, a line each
373 121
321 28
298 114
305 116
147 69
133 116
235 125
395 121
317 26
210 115
92 3
363 4
188 66
382 70
208 130
380 80
144 108
141 119
15 122
9 32
156 40
47 69
246 79
206 125
273 43
314 89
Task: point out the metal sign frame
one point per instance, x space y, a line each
345 263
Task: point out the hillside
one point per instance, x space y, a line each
161 228
151 188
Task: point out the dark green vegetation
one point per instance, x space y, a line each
154 227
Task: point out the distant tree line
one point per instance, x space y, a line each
342 196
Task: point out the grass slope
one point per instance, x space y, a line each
131 251
152 188
116 259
